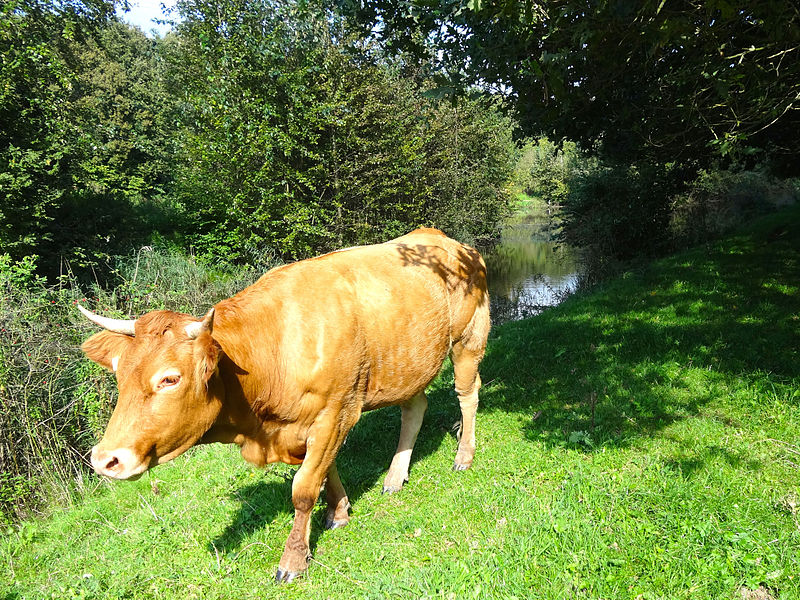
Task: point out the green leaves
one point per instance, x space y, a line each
257 126
86 145
624 73
310 143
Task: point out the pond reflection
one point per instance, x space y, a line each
528 269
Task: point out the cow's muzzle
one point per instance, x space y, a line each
117 464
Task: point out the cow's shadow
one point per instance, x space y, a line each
362 462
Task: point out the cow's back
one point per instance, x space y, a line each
378 320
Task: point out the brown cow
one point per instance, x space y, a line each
285 367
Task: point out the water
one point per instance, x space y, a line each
528 269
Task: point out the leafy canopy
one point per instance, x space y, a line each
655 79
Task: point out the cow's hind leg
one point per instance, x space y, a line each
338 504
411 416
468 382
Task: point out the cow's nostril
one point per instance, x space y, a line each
112 463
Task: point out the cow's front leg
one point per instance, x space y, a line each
296 553
324 439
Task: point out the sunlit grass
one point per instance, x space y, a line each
638 441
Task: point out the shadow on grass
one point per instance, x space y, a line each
687 466
362 462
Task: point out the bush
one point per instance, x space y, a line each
312 143
620 212
617 213
45 423
717 201
55 403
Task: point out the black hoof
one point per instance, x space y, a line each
460 467
391 489
282 576
334 524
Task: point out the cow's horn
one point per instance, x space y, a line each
125 326
195 328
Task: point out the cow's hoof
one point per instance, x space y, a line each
282 576
460 467
391 489
335 523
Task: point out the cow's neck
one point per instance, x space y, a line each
261 439
236 421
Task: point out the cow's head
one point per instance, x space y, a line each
169 396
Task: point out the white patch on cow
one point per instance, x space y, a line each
114 363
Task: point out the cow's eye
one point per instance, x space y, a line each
169 381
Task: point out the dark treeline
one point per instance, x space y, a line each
257 129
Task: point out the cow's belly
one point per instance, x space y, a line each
406 326
409 356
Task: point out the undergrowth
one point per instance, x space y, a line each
54 402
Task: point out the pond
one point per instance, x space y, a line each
528 269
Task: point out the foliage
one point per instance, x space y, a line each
638 441
83 144
619 211
660 92
257 128
43 424
653 81
718 201
545 168
120 168
35 79
296 139
616 213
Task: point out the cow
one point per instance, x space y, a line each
285 368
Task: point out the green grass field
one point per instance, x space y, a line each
641 441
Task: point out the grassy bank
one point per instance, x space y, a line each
638 442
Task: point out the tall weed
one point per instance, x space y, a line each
53 402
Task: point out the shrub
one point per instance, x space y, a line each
544 169
312 143
44 430
620 211
617 213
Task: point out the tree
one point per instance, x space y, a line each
298 138
83 153
663 81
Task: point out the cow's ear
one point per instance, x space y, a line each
106 348
207 354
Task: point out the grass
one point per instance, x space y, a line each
529 204
641 441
